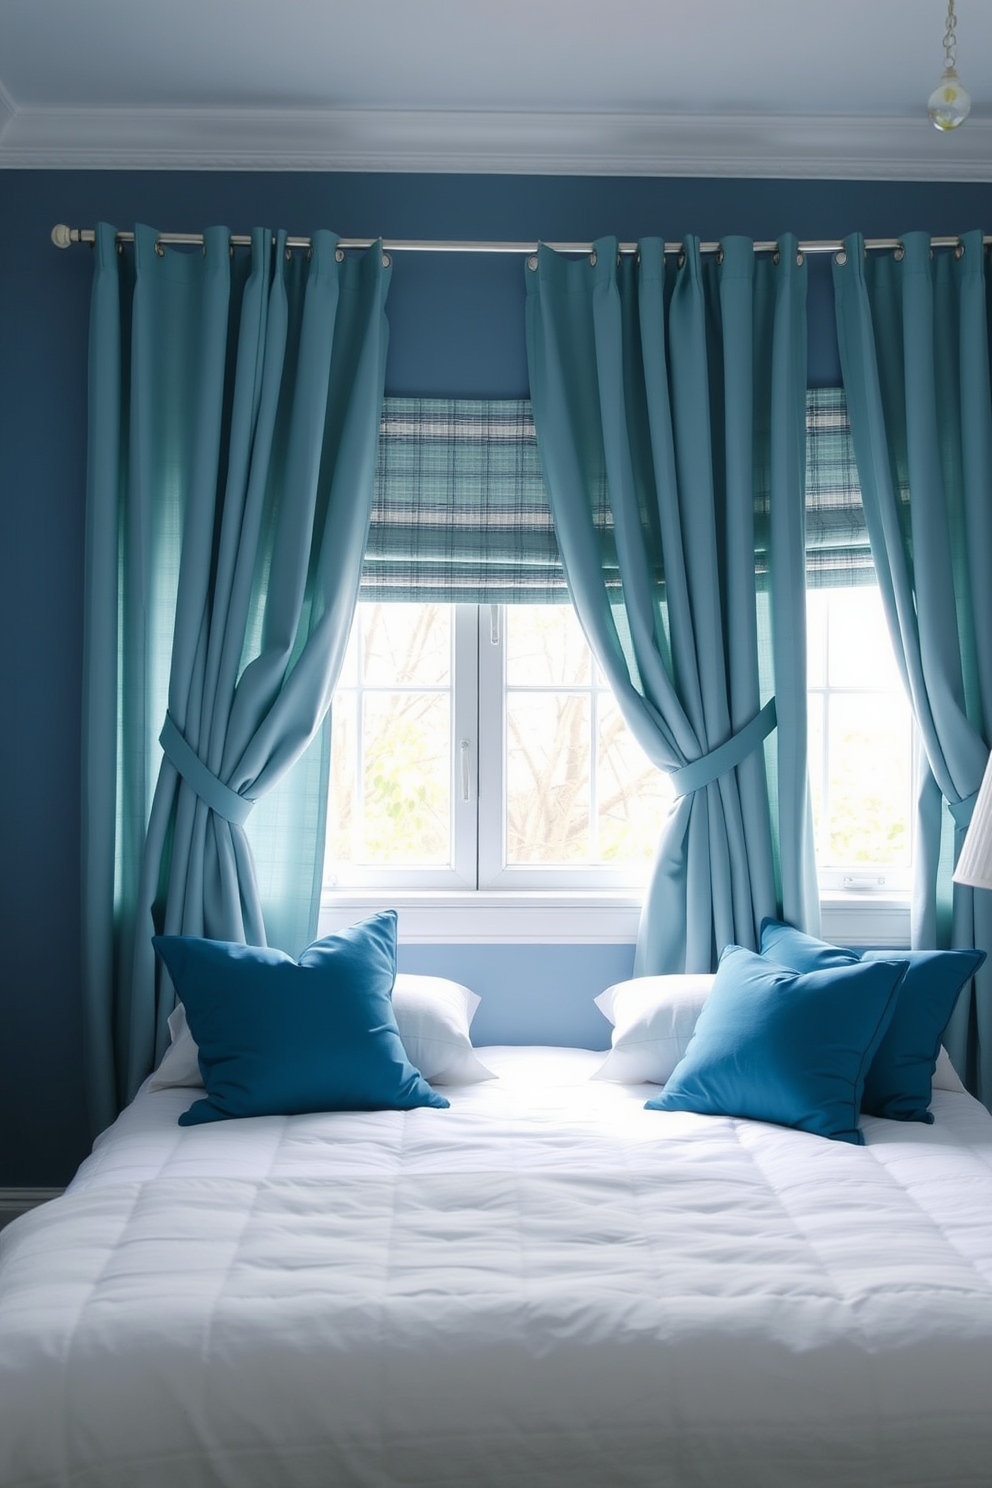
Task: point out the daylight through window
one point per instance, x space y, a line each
475 745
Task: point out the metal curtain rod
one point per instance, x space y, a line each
65 237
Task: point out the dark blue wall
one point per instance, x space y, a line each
456 328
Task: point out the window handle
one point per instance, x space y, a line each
464 749
494 624
863 882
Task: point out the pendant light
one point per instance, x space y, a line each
950 102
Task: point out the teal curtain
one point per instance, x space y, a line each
914 339
235 400
670 401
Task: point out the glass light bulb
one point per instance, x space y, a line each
950 102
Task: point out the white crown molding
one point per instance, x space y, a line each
477 142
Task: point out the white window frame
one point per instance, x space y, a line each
476 783
460 874
854 880
495 874
477 899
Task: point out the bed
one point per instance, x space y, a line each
543 1284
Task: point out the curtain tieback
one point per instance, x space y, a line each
961 811
726 756
211 791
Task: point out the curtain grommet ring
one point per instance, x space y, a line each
841 257
800 258
532 262
159 249
593 259
777 257
288 254
719 255
680 261
339 255
386 261
899 253
959 249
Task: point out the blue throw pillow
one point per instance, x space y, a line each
277 1037
899 1082
785 1046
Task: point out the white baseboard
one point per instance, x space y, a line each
17 1201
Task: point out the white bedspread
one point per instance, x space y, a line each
544 1286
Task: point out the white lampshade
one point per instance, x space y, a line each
975 863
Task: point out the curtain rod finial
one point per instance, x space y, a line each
62 235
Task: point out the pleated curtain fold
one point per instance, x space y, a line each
670 402
235 401
914 335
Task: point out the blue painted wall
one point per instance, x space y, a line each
530 993
457 329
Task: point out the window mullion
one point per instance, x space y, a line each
465 732
358 786
594 771
492 746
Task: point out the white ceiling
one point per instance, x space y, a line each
784 87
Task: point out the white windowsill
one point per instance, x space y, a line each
865 919
590 917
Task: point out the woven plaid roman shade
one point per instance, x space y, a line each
837 547
461 515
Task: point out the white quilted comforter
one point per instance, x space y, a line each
545 1286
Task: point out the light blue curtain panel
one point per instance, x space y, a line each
235 400
670 403
914 341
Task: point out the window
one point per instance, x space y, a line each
568 796
477 746
861 735
860 744
393 813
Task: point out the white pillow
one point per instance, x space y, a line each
945 1076
653 1020
655 1017
433 1016
180 1062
